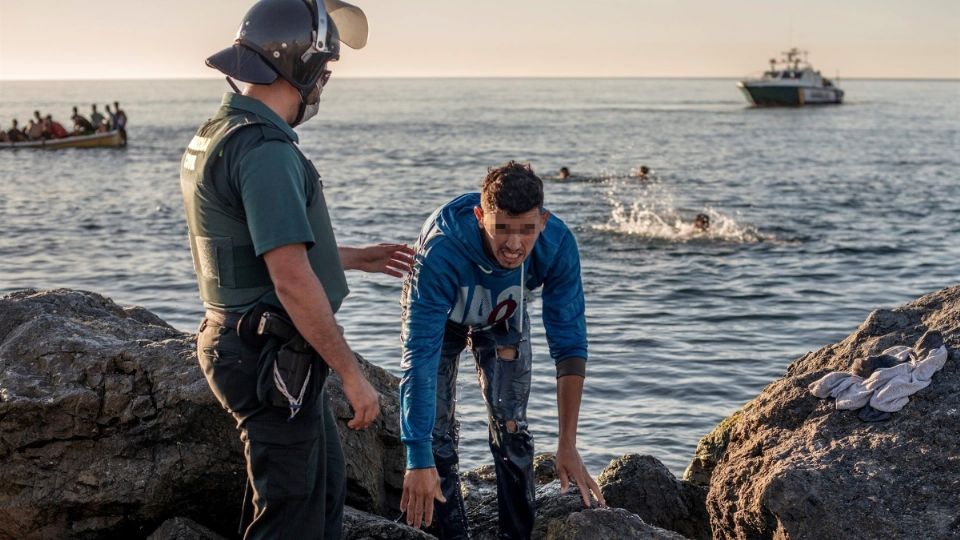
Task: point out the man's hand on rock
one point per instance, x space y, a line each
571 467
362 397
420 488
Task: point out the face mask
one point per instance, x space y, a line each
308 111
311 106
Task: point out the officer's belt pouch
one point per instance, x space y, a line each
249 325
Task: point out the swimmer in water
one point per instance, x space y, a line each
643 172
564 173
701 223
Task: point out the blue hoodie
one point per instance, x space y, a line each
454 279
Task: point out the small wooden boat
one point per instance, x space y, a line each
110 139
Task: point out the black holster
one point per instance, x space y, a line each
290 373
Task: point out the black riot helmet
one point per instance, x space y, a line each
293 39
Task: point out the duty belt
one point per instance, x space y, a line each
255 325
223 318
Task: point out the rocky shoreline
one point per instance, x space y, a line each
107 429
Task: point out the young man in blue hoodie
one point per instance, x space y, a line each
478 258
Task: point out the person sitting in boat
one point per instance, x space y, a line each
38 120
95 117
14 134
81 126
54 128
112 117
121 121
34 130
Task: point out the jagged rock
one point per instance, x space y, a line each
644 486
482 511
795 467
709 450
606 524
555 506
622 484
479 486
108 427
183 529
375 463
359 525
545 467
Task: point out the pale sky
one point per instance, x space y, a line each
132 39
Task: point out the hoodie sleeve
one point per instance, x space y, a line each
563 307
427 300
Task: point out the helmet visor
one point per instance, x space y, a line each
350 20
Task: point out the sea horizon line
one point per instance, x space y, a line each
479 77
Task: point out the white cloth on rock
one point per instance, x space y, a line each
886 389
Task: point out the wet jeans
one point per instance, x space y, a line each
503 361
295 470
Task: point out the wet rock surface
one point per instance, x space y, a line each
795 467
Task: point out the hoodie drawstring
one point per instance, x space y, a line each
523 286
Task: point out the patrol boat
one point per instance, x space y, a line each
791 81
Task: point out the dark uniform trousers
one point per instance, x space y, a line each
295 470
505 384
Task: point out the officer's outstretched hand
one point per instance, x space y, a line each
363 398
420 488
391 259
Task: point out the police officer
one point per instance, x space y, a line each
262 244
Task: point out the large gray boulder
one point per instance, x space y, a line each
108 428
106 423
606 524
359 525
643 485
792 466
183 529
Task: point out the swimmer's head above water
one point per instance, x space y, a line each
564 173
701 223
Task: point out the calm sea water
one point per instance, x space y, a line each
819 215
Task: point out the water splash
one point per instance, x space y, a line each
648 210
